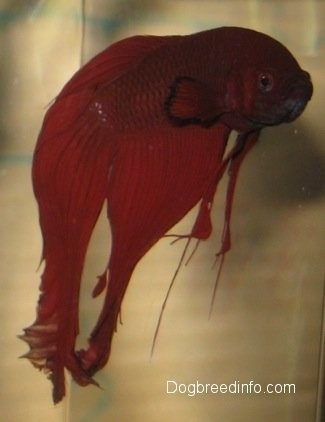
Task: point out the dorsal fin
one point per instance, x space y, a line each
114 61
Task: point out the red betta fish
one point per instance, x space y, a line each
144 125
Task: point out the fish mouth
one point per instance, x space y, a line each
290 106
299 95
295 111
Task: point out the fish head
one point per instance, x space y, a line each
266 86
270 97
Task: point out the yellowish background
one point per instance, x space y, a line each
266 322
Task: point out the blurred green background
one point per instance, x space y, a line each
266 322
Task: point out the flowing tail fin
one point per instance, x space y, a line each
70 173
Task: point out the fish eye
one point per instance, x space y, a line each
265 82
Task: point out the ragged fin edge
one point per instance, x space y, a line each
61 123
244 143
202 226
201 230
101 284
70 146
171 285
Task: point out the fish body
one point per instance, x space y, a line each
144 126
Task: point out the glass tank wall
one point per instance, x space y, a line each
265 326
